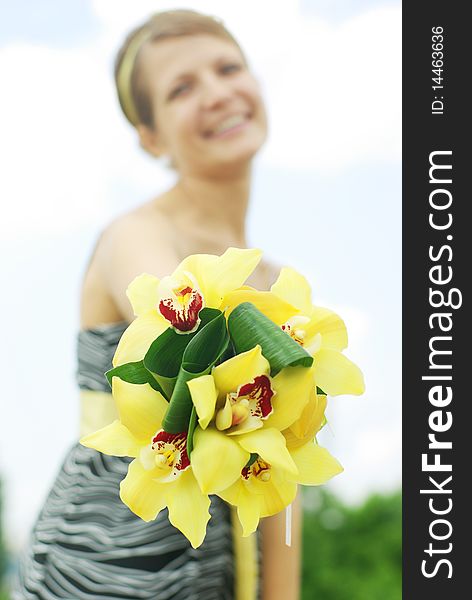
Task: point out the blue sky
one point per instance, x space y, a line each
326 199
340 10
52 22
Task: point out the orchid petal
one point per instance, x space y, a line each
273 307
271 446
247 504
311 419
204 396
255 499
217 460
188 507
218 275
144 496
335 374
196 265
277 495
114 439
232 494
292 440
293 386
142 293
224 416
137 338
250 424
248 514
274 495
315 464
240 369
141 408
330 325
292 287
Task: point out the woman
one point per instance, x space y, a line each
184 84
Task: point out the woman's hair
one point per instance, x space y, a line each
133 93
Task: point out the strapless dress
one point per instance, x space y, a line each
87 545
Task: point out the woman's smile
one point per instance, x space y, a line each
228 125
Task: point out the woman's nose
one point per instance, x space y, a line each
215 92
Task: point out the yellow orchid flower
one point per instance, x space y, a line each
218 460
160 474
240 396
323 335
268 483
200 280
237 398
309 423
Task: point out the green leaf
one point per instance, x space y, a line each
134 372
248 327
203 351
207 346
320 391
164 357
228 353
191 430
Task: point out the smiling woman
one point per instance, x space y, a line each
185 86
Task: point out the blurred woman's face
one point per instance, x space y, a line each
209 113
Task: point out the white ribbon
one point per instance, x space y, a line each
288 525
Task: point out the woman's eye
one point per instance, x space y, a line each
179 90
230 68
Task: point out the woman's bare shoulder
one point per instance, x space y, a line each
141 221
136 237
139 241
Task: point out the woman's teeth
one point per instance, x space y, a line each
229 123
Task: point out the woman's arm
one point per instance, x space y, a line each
281 564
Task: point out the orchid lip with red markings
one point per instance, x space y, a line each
259 394
259 469
295 334
183 310
245 409
173 448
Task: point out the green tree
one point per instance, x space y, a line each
351 553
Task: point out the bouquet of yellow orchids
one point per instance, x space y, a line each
221 389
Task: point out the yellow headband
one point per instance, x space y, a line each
125 71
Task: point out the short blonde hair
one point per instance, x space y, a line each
133 94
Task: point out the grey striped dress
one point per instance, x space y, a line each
88 545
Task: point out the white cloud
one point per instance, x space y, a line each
50 147
335 98
378 447
64 142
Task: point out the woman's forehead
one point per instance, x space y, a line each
166 61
